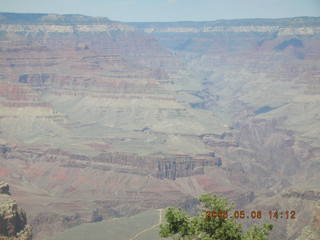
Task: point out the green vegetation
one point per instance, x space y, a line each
181 226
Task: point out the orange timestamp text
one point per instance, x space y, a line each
254 214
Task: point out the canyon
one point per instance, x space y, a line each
102 119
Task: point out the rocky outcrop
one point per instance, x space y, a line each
13 220
4 188
173 167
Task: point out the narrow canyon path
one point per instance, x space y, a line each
150 228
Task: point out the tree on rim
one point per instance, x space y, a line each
180 226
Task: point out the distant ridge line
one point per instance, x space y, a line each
67 19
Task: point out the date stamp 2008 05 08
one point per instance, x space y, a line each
254 214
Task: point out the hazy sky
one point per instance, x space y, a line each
168 10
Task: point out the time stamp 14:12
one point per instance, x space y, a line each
255 214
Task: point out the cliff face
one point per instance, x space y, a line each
13 220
